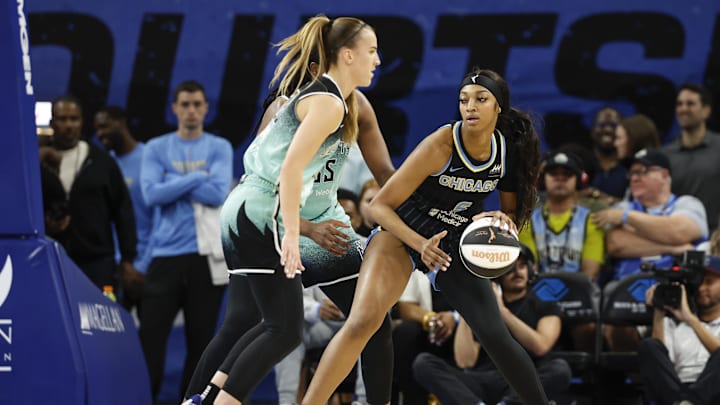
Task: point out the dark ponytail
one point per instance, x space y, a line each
518 128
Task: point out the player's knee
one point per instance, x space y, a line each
363 324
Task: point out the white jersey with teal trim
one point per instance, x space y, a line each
266 153
326 183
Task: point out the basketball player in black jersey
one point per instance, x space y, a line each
423 210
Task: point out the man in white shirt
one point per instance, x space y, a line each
680 363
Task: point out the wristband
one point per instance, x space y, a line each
456 315
624 218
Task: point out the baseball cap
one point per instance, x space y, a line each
712 263
562 159
651 157
526 253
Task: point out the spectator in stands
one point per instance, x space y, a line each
98 199
112 131
680 363
426 325
694 153
561 235
185 176
653 227
634 133
369 189
610 177
535 324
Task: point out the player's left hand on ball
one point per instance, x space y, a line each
290 256
499 219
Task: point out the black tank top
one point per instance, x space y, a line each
450 198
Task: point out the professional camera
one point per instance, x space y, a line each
688 271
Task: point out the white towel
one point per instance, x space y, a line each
207 229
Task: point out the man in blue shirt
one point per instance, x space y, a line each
185 176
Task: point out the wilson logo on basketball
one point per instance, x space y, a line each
492 257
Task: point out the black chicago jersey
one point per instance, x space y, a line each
450 198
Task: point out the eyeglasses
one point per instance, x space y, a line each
642 171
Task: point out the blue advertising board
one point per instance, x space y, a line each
61 340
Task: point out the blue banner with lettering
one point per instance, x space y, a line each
562 59
21 204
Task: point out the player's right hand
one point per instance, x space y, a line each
432 256
290 255
328 235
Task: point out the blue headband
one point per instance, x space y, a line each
489 84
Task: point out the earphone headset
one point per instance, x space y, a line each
568 160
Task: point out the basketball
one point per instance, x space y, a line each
488 251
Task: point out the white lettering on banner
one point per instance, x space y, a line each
99 317
6 337
25 47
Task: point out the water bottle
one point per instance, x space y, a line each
109 292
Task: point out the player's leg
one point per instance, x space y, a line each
474 298
377 356
384 273
241 315
281 307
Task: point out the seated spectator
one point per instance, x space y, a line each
561 235
369 189
654 227
535 324
427 323
681 361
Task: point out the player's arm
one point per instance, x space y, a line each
429 157
326 234
320 115
371 141
270 112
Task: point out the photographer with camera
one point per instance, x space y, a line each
680 363
654 227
